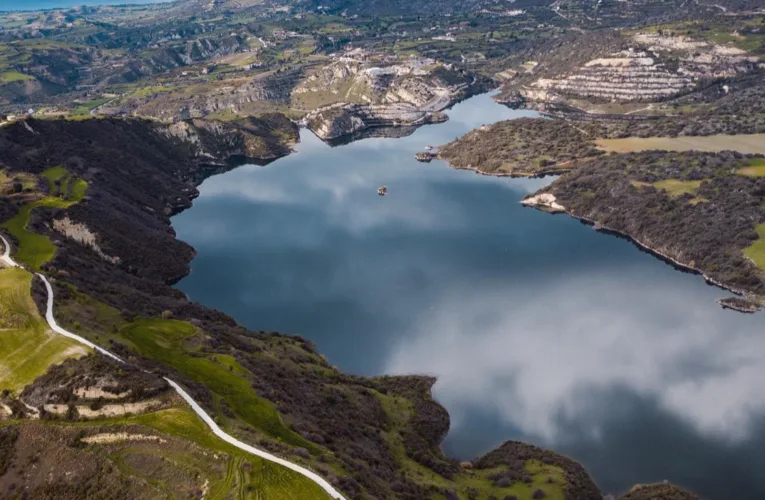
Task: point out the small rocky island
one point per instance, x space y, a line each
424 157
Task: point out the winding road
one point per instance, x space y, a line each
6 257
332 492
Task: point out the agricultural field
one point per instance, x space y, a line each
747 144
14 76
27 346
744 33
155 454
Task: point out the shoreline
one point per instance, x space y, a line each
667 259
513 175
679 266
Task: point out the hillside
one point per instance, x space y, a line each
103 430
637 71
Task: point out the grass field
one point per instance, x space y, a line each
14 76
676 188
163 340
63 185
748 144
28 181
86 107
756 251
36 249
263 480
755 168
27 346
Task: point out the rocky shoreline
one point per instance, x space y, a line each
540 174
742 303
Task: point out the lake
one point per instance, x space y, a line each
538 327
7 5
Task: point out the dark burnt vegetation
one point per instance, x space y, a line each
526 146
138 177
703 218
428 422
342 414
8 436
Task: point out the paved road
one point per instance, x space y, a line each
332 492
6 257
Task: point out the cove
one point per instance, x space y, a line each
538 327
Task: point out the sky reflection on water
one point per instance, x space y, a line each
538 327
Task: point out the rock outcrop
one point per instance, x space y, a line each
342 120
358 92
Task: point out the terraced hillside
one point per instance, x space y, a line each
91 428
638 66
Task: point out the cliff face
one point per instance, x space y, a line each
346 119
210 141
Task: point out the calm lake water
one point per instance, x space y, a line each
538 327
6 5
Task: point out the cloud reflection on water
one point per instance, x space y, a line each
537 327
542 351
